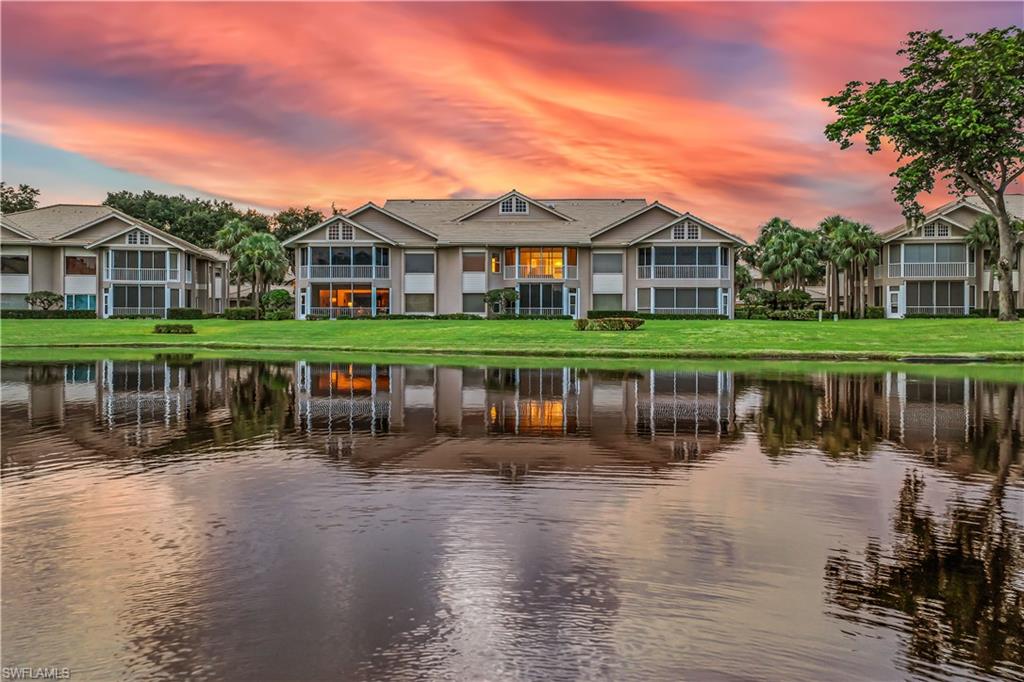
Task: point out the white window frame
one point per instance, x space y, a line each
685 230
348 232
514 205
928 231
132 238
334 232
692 230
679 231
942 230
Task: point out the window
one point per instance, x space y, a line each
643 299
942 230
80 302
347 233
14 265
495 263
175 298
685 230
334 232
138 237
540 298
510 257
692 231
894 253
419 263
950 253
514 206
608 301
473 303
13 302
80 265
419 303
685 298
474 261
133 238
919 253
608 263
929 230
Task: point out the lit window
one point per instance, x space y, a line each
514 206
334 231
347 233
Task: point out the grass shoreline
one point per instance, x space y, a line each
969 340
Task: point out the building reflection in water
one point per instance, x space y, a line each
379 413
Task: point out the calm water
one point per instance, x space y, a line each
255 521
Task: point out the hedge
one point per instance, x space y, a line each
280 314
174 329
136 317
22 314
448 316
608 324
242 313
598 314
981 312
184 314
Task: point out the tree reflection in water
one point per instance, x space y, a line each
959 581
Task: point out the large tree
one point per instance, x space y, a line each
293 221
20 198
262 259
956 113
226 240
785 254
193 219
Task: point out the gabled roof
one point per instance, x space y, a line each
1014 206
60 222
332 219
514 193
394 216
657 204
700 221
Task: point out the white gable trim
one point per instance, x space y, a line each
142 228
640 211
333 218
15 230
384 211
96 221
513 193
703 223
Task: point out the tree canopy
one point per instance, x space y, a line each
20 198
193 219
293 221
956 113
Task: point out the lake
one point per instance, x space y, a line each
235 519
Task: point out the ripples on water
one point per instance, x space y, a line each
221 519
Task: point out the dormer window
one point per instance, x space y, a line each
347 233
929 231
685 230
942 230
514 206
137 237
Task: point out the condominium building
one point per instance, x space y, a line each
562 256
104 260
927 267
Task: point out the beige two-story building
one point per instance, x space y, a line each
103 260
562 256
926 267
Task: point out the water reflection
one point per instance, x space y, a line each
220 518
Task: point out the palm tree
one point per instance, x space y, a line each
226 240
866 245
827 231
262 258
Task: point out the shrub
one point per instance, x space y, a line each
184 314
608 324
278 299
596 314
874 312
173 329
45 300
19 314
755 312
279 314
804 314
794 299
136 317
242 313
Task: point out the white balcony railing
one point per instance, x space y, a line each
682 272
688 311
543 271
138 311
136 275
345 272
344 312
541 311
931 269
936 310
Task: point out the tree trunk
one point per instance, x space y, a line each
847 294
256 286
1006 308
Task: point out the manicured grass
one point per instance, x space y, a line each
851 339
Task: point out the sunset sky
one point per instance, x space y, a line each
713 108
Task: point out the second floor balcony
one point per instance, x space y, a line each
682 272
345 272
138 275
541 271
955 269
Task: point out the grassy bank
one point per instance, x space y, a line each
852 339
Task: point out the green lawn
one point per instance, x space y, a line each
865 339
